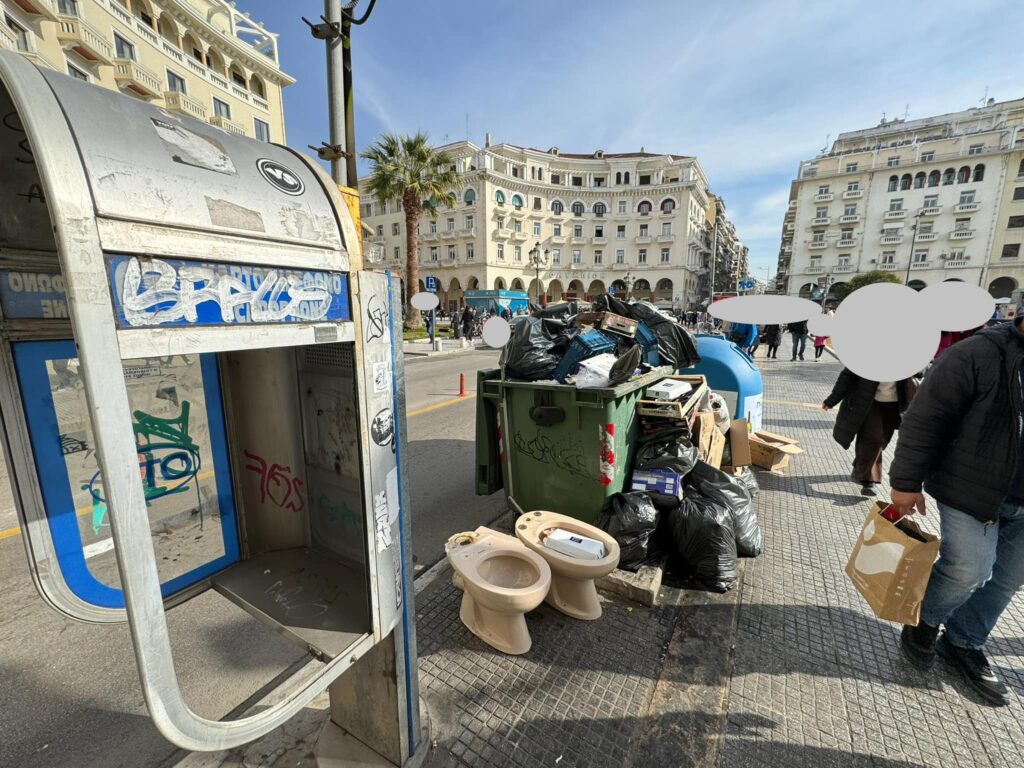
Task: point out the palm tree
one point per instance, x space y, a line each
407 168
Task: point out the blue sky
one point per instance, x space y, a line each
750 88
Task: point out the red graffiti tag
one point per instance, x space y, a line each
277 483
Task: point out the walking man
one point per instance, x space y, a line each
798 331
961 440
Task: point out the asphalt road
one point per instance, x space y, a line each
69 692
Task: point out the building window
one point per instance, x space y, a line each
948 176
499 197
449 224
600 209
967 196
68 7
395 228
577 181
821 212
920 257
893 161
221 109
577 257
851 167
818 237
1015 222
620 230
380 230
1018 193
577 230
262 129
963 175
975 149
517 252
599 231
667 206
469 252
432 225
956 253
894 183
644 209
846 234
397 253
823 189
620 257
536 204
931 201
123 49
625 177
469 222
598 255
517 202
557 207
501 251
906 181
451 253
536 229
515 172
979 172
641 256
469 197
20 34
517 226
76 73
556 230
577 209
919 180
622 206
927 157
644 230
175 82
896 204
925 227
556 178
844 260
666 228
852 186
665 255
645 180
888 257
850 210
433 253
556 255
1011 251
933 179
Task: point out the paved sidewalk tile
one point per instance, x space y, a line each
818 680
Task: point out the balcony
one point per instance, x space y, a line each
961 234
502 233
824 197
958 263
375 239
520 237
821 221
934 210
45 8
848 243
815 270
146 31
888 267
468 232
790 226
219 80
642 239
818 245
787 248
261 103
120 11
852 218
926 237
227 124
852 194
180 102
666 238
170 50
132 76
843 269
897 214
84 39
196 67
557 239
891 239
921 265
239 92
965 208
434 236
578 240
449 234
599 240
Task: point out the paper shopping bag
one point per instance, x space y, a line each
890 565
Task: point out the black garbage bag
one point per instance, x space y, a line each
608 303
625 365
533 352
732 493
667 449
631 519
676 346
561 311
703 542
747 477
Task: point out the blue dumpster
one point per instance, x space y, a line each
732 374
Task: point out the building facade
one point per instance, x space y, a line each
202 58
935 199
634 222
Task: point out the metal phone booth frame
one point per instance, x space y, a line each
189 347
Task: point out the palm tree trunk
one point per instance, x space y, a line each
411 206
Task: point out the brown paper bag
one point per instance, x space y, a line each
890 565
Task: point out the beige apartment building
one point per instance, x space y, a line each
634 221
934 199
203 58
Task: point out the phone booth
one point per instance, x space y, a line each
201 390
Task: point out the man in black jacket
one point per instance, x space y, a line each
798 331
962 440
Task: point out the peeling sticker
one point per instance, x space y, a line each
398 581
393 500
381 377
380 518
224 213
190 148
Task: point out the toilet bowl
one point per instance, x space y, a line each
572 579
501 580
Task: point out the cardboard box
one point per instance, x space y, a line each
711 441
771 451
661 481
739 447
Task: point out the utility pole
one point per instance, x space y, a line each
714 257
913 243
336 101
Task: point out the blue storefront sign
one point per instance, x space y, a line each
155 291
33 295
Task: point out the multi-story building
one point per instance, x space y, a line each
203 58
731 259
634 221
934 199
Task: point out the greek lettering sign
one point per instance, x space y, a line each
152 291
33 295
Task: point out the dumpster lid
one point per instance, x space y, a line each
621 390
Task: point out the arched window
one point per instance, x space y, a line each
1020 168
557 206
168 29
907 181
644 208
933 178
625 176
979 172
215 61
256 86
919 180
469 197
963 175
668 205
577 208
618 177
894 183
499 197
948 176
600 209
238 76
517 201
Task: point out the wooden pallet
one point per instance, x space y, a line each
679 410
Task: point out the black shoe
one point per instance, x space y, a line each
801 357
918 644
867 489
793 360
976 671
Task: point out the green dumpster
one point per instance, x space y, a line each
560 448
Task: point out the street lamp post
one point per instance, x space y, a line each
913 243
538 259
628 281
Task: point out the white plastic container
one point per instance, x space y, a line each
573 544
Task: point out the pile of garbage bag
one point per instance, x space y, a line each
602 344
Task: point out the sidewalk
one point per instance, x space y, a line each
449 346
789 669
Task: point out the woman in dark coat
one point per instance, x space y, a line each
772 338
870 413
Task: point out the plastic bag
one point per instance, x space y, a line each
606 302
594 372
531 353
732 493
747 477
703 541
676 346
624 367
631 519
562 311
667 449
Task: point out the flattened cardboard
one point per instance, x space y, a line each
711 441
739 446
771 451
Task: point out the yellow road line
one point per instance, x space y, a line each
794 402
445 404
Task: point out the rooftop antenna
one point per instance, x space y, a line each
984 99
467 126
906 111
828 137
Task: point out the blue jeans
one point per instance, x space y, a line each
801 342
980 566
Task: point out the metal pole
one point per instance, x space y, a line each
913 243
336 91
714 259
350 111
